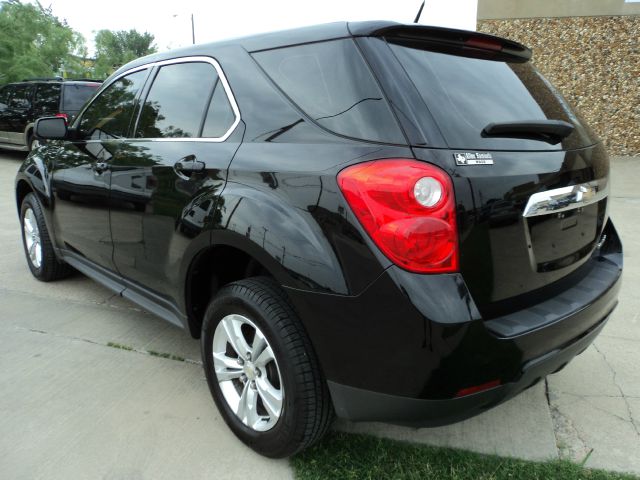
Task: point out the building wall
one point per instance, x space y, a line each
503 9
594 62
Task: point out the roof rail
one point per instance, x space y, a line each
84 80
60 79
43 79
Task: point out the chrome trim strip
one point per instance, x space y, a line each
181 139
566 198
128 72
193 59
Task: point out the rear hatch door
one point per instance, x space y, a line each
531 179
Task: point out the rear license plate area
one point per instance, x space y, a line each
561 239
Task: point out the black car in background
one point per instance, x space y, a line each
21 103
385 222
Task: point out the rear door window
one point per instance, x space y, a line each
5 92
109 115
48 98
466 94
21 98
176 103
76 95
333 85
220 114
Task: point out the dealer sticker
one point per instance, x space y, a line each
473 158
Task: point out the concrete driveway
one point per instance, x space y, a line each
75 404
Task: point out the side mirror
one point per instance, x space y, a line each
51 128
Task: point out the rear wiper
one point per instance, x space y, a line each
550 131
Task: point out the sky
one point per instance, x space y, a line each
170 22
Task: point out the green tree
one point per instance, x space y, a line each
114 49
35 43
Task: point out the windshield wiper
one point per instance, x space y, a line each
550 131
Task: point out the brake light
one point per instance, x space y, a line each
408 209
63 115
483 43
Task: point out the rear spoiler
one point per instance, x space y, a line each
445 40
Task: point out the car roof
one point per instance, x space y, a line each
318 33
263 41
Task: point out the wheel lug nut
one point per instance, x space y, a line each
248 356
253 384
240 361
258 372
243 378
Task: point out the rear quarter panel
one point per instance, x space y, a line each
281 203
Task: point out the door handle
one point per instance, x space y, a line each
100 167
188 165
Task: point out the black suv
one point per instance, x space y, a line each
390 222
21 103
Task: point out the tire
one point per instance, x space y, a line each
259 306
42 260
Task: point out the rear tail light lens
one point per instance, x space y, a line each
408 209
63 115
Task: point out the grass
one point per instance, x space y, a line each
349 457
119 346
153 353
170 356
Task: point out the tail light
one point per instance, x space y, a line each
408 209
63 115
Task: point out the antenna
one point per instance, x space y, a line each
419 13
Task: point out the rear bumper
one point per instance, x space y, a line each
403 350
362 405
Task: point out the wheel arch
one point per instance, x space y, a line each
34 173
213 268
23 188
258 232
27 133
33 177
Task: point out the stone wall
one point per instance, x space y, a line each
501 9
594 62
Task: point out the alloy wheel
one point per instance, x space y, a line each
247 372
32 237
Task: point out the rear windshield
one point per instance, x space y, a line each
75 96
466 94
331 83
